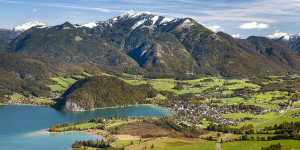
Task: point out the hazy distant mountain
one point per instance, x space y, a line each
153 45
6 33
292 43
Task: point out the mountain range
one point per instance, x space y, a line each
291 43
149 44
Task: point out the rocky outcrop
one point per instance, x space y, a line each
70 106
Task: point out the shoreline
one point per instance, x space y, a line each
118 107
1 104
84 131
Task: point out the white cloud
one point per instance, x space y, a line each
34 10
254 25
214 28
278 34
237 36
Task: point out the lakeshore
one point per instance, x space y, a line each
14 131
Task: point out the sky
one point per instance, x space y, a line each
239 18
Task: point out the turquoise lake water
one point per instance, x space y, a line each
25 127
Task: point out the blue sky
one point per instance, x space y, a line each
236 17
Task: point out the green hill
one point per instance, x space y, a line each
104 91
28 75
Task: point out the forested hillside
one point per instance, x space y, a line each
155 46
104 91
29 75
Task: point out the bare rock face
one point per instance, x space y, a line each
70 106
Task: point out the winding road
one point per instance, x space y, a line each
282 113
218 144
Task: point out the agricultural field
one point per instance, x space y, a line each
257 145
121 143
267 96
237 115
279 120
261 118
297 105
135 82
175 144
57 88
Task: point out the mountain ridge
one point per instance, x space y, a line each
149 44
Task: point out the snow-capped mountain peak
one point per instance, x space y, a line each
88 25
29 25
151 19
133 14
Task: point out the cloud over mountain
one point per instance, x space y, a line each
278 34
254 25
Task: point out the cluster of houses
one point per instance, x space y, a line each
212 113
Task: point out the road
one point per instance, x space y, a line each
282 113
218 145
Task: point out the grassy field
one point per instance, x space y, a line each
262 118
205 124
16 96
267 96
69 80
234 100
80 126
120 122
237 115
175 144
60 81
159 97
241 84
290 112
135 82
56 88
166 86
122 143
78 77
63 83
297 105
39 101
87 74
257 145
105 74
278 120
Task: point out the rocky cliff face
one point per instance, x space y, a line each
71 106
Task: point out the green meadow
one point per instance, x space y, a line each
257 145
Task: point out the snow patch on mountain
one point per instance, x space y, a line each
154 19
89 25
139 23
165 20
29 25
185 24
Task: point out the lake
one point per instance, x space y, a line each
25 127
